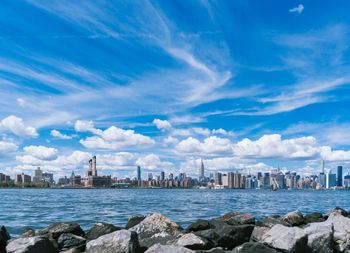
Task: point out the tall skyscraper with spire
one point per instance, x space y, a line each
201 172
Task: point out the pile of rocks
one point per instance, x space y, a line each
233 232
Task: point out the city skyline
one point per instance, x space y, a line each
242 86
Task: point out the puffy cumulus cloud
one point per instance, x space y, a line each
16 126
113 138
201 131
222 131
170 141
212 145
7 147
162 124
57 134
328 154
153 162
41 152
117 161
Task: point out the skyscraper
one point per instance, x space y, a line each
162 176
138 173
331 180
201 172
340 176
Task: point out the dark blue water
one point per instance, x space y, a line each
36 208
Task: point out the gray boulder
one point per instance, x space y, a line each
294 218
69 241
291 239
121 241
213 250
156 228
237 218
159 248
198 225
258 233
271 221
71 251
134 220
56 229
34 244
341 226
4 237
29 232
192 241
314 217
320 237
100 229
340 211
253 247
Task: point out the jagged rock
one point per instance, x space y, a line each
134 220
4 237
56 229
159 248
199 225
156 228
258 233
71 251
68 241
237 218
291 239
28 233
253 247
320 237
213 250
34 244
121 241
227 236
193 241
341 226
271 221
314 217
294 218
100 229
340 211
217 223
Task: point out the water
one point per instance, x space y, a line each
36 208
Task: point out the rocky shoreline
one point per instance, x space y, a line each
233 232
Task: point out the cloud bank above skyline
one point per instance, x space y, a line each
243 85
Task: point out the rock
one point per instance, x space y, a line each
253 247
134 220
291 239
213 250
159 248
71 251
217 223
199 225
237 218
320 237
294 218
100 229
341 226
156 228
314 217
4 237
258 233
28 233
340 211
34 244
68 241
56 229
121 241
271 221
193 241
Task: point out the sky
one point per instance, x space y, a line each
244 85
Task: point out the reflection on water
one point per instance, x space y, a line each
36 208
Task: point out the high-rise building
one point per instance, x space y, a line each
218 178
347 181
150 176
340 176
331 180
171 176
201 172
93 180
231 180
162 176
224 179
139 173
38 176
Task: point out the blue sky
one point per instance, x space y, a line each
244 85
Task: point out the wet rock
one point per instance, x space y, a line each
237 218
271 221
121 241
253 247
134 220
68 241
4 237
156 228
291 239
159 248
294 218
100 229
29 232
314 217
56 229
34 244
320 237
193 241
199 225
258 233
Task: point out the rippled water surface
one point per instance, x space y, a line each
36 208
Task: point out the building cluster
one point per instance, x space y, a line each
40 178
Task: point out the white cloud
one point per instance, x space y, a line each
170 141
153 162
84 126
7 147
162 124
21 102
59 135
212 145
222 131
17 127
41 152
299 9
